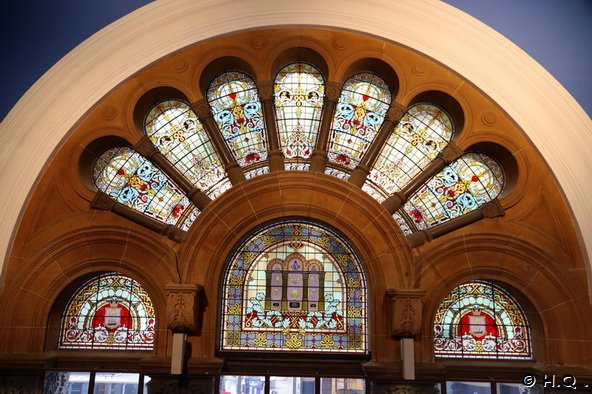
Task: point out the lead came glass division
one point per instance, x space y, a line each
294 286
364 101
238 113
299 90
111 311
481 320
461 187
134 181
420 135
177 133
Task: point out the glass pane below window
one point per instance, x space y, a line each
66 382
516 388
291 385
342 386
116 383
242 384
468 388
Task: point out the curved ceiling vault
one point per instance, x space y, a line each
549 116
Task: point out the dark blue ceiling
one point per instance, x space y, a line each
35 34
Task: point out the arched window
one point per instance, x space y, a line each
461 187
294 286
134 181
238 112
481 320
299 92
416 140
364 101
110 311
178 134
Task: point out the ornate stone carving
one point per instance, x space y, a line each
450 153
182 307
405 311
103 202
202 109
266 90
332 91
395 112
146 148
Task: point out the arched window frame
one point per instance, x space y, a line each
251 322
110 311
481 320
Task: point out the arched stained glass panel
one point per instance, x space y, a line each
134 181
420 135
178 134
364 101
238 112
481 320
110 311
294 286
461 187
299 91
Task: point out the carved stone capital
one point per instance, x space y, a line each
146 148
492 209
419 238
202 109
405 312
395 112
266 90
103 202
450 153
173 233
332 91
182 307
394 202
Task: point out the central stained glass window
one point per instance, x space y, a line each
294 286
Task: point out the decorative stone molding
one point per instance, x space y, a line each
103 202
405 312
146 148
265 90
182 307
202 109
396 112
450 153
332 91
492 209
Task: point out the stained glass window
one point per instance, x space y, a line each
420 135
110 311
299 90
237 110
134 181
481 320
461 187
178 134
294 286
364 101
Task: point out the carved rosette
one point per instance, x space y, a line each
492 209
405 311
182 307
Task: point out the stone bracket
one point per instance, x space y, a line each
405 311
183 306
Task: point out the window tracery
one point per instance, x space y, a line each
110 311
294 286
238 113
132 180
364 101
178 134
481 320
461 187
299 91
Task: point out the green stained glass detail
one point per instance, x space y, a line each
238 113
481 320
299 91
416 140
360 112
110 311
178 134
132 180
461 187
294 286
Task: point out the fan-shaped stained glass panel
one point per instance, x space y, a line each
420 135
294 286
364 101
178 134
481 320
134 181
461 187
238 112
110 311
299 91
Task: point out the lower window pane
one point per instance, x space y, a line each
116 383
66 382
230 384
468 388
342 386
516 388
291 385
